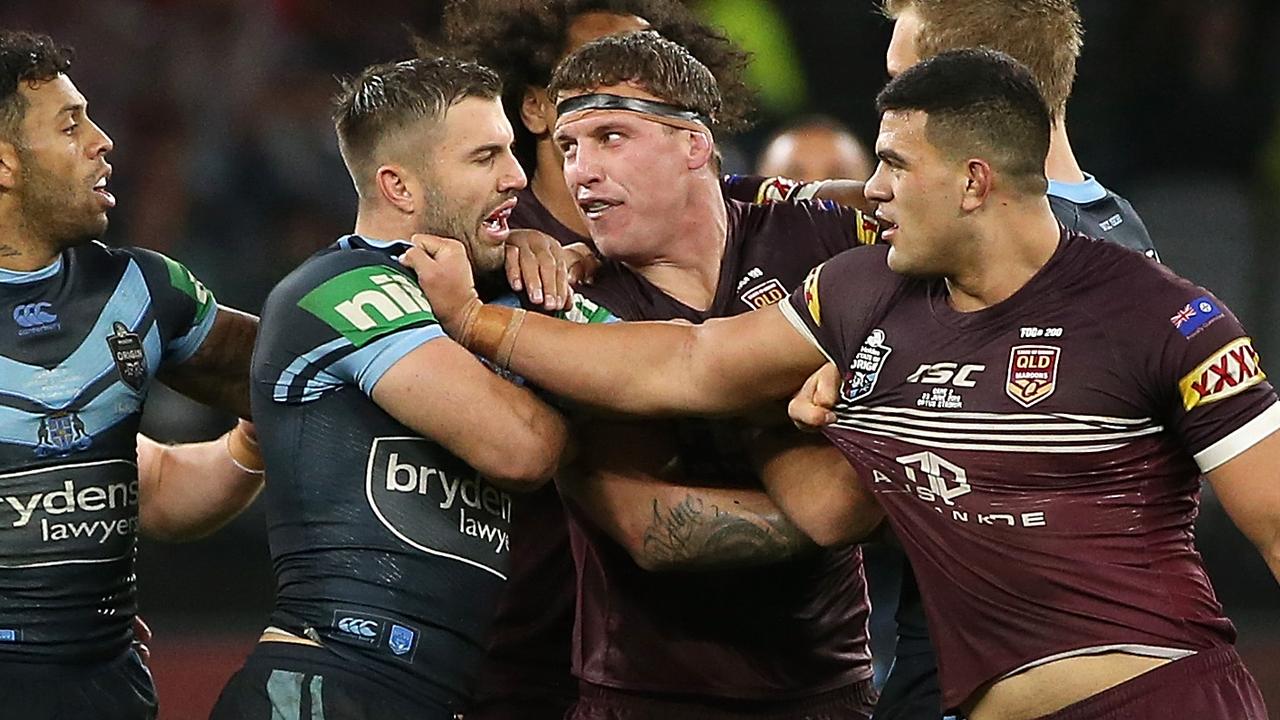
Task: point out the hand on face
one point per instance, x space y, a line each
444 273
538 264
813 406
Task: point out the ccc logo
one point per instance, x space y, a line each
358 626
34 315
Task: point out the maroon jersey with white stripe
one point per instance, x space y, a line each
1040 459
782 631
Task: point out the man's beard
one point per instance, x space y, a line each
51 212
446 220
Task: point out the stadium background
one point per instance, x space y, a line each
225 159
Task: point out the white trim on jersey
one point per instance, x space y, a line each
1243 438
797 322
1017 432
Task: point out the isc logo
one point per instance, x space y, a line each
944 373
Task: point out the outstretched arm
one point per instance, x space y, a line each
723 366
188 491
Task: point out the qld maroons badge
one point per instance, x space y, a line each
126 350
1033 373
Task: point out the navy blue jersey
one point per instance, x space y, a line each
83 339
388 549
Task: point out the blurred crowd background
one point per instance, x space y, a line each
225 159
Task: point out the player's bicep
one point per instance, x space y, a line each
216 372
1248 486
442 392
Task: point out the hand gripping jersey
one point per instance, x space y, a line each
779 632
388 549
1040 459
83 339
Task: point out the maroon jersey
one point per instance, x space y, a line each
529 646
1040 459
787 630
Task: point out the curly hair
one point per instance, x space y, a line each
30 58
523 40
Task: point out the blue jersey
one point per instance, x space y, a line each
83 339
389 550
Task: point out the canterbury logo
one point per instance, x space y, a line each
34 315
358 626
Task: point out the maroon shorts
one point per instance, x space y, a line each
1209 685
854 702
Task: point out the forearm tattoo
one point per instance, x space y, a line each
696 534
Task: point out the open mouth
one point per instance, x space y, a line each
100 187
495 224
595 208
888 228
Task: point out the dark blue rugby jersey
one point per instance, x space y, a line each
1091 209
83 339
388 549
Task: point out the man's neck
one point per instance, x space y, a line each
1017 246
375 224
549 187
688 269
20 250
1061 164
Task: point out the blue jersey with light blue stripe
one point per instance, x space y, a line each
388 549
83 339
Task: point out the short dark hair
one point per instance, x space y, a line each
387 98
979 103
31 58
523 41
647 60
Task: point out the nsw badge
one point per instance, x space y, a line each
126 351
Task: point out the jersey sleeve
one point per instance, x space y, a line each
183 307
344 321
1209 378
840 302
848 227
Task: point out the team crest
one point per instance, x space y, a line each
765 295
1033 373
126 350
61 433
401 639
865 370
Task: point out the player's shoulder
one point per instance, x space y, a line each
343 267
1134 290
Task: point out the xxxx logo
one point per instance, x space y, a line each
1231 370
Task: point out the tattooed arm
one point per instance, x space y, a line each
629 482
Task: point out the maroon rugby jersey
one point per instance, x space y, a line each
1040 459
529 646
782 631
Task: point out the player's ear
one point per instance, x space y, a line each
702 151
10 165
535 110
977 184
395 186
